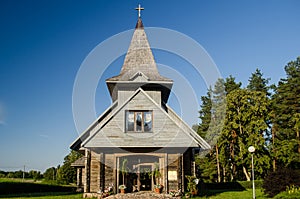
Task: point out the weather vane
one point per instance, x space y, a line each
139 10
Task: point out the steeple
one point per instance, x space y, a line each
139 58
139 64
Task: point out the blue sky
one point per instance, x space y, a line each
43 44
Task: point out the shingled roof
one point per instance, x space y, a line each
139 58
79 162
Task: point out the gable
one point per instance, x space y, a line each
166 132
139 77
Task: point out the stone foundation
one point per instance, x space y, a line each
136 195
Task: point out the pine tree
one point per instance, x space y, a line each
231 85
258 83
205 114
246 116
286 110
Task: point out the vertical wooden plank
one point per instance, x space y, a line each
118 165
115 174
139 179
166 173
87 170
101 172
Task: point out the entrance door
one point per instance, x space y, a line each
145 177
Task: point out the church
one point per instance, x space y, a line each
139 135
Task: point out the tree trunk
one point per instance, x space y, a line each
231 148
274 150
224 174
298 139
246 173
218 163
232 160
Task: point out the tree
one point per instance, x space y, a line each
258 83
245 125
231 85
36 175
212 115
205 114
66 173
50 174
286 110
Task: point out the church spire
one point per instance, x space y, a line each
139 64
139 57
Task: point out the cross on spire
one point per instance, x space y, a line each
139 10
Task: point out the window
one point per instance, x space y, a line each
139 121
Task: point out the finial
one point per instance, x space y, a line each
139 10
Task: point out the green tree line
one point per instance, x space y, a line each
233 117
64 174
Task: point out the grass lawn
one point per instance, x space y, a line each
43 196
16 188
247 194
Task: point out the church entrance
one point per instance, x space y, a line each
145 178
136 171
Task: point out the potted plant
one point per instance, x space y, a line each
187 195
122 188
175 193
124 171
158 188
192 185
157 175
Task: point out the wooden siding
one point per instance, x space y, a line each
166 132
155 95
173 167
95 175
109 171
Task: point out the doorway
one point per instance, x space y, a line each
145 178
138 175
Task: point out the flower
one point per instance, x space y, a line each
158 186
175 193
122 186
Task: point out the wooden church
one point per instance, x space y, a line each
139 132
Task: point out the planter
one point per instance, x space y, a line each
157 190
194 193
122 191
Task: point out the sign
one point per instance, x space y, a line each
172 175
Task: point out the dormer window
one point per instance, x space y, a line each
139 121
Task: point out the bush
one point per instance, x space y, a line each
277 181
248 184
286 195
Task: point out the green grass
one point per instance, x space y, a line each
43 196
17 188
223 194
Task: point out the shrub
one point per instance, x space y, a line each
289 194
248 184
277 181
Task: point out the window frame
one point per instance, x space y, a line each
135 126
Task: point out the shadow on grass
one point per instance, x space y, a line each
26 189
211 189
